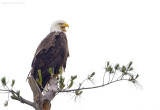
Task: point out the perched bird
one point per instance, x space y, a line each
52 52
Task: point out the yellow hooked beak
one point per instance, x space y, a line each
63 27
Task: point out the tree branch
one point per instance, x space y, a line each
18 98
42 101
71 90
37 95
34 87
22 100
53 87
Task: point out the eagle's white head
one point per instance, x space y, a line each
59 25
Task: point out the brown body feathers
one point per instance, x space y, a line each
51 53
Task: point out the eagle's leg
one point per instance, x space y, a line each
56 76
51 71
46 88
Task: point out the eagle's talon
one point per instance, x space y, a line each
56 76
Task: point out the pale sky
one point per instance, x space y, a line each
118 31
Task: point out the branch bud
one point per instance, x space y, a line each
13 82
6 103
3 81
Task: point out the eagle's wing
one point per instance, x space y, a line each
51 53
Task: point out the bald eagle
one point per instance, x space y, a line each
52 52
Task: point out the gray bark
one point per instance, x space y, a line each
43 102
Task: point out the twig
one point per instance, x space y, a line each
120 77
5 90
109 77
113 75
104 77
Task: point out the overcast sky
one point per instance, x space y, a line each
118 31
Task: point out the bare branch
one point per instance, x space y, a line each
38 103
35 89
4 90
22 100
71 90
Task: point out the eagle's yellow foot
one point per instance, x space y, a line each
56 75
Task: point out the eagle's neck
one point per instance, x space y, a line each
55 29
